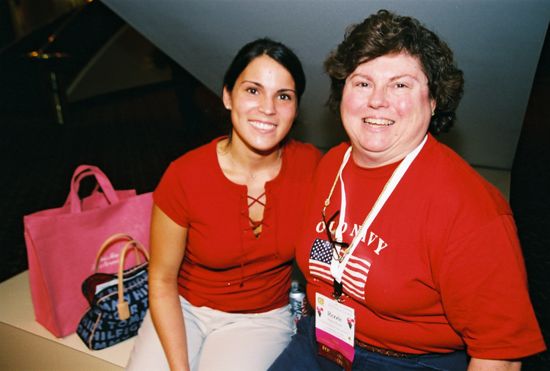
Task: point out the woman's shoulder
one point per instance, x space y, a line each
197 156
304 153
295 146
335 154
452 174
338 150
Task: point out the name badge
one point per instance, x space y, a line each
335 329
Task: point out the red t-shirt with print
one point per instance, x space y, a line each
439 269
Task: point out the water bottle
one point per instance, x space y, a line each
297 299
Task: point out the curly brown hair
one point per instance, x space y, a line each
387 33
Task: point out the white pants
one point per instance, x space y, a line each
218 341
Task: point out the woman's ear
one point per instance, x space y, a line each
433 105
226 96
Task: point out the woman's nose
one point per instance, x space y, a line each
267 106
378 97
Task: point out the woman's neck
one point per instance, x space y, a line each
244 165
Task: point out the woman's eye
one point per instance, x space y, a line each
285 97
401 85
362 84
252 90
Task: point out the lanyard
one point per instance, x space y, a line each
337 266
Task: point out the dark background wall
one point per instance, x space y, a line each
530 197
147 112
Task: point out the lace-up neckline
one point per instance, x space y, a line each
256 225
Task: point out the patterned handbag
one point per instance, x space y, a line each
118 302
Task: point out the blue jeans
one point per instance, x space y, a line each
301 354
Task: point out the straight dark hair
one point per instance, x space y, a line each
276 51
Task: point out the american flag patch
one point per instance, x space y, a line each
355 272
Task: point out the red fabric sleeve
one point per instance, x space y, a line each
170 197
485 294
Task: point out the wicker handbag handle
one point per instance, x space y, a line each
122 306
108 242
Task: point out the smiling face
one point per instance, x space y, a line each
263 105
386 109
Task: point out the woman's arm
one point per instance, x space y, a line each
477 364
168 241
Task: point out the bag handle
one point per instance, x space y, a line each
122 305
82 172
108 242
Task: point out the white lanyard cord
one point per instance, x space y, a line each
337 267
338 232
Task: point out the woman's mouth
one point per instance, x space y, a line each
377 122
262 125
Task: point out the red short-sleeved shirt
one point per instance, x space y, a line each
225 266
439 269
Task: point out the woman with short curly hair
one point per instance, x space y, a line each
411 258
386 34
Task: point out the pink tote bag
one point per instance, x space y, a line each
62 244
